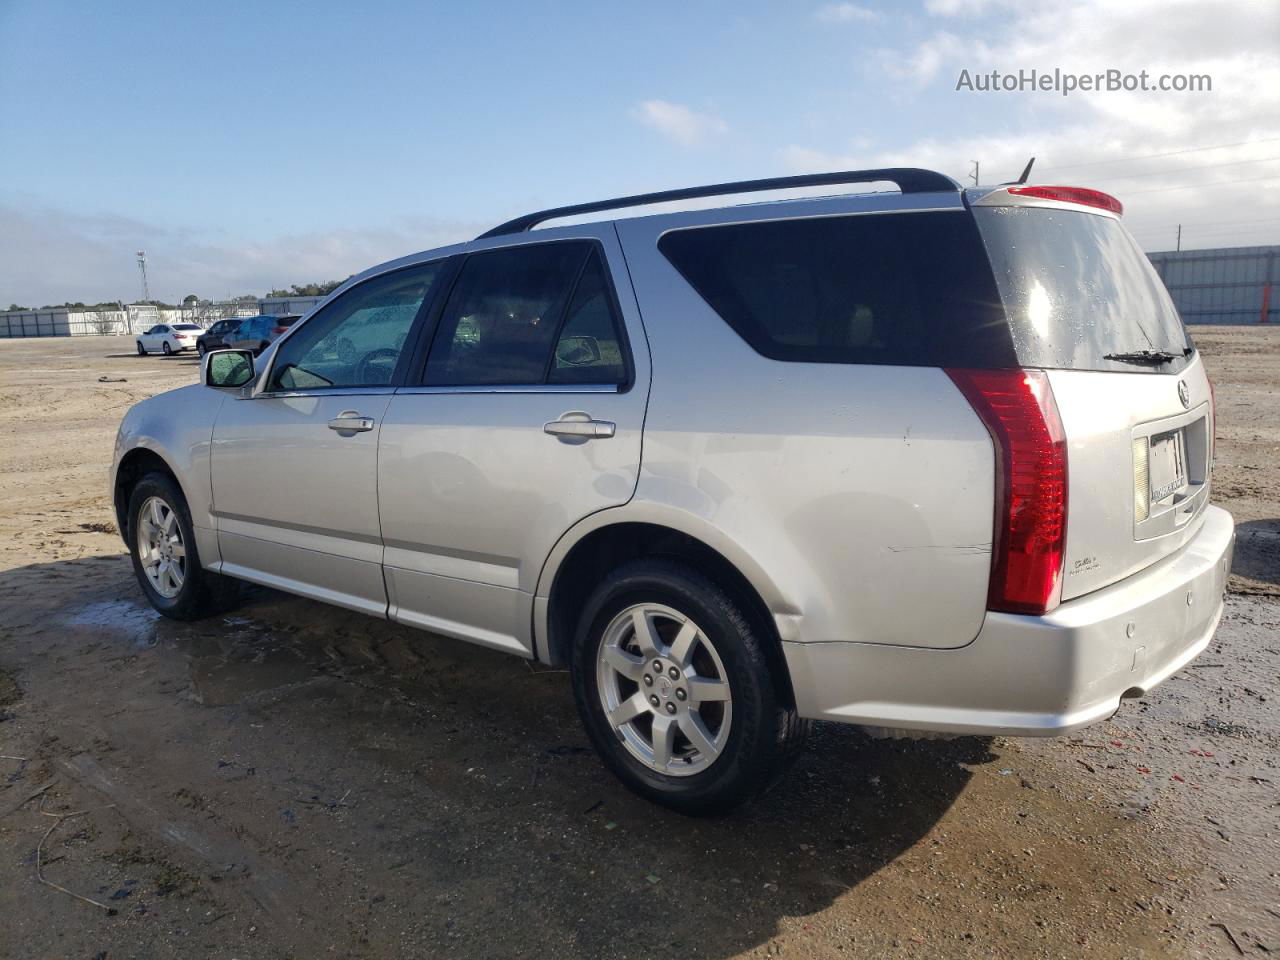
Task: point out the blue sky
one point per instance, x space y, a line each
247 145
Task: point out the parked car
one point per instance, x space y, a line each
168 338
256 333
935 460
219 335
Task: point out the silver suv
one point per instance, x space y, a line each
936 459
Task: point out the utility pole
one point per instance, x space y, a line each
974 175
142 265
1179 246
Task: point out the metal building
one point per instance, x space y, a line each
1225 285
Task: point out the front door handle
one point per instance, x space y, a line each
349 421
579 426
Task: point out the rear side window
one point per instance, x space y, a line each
1077 288
590 346
910 289
528 315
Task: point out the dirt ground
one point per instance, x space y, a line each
294 780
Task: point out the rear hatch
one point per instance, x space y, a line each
1085 304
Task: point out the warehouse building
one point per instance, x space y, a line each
1226 285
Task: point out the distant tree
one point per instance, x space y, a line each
190 300
309 289
14 306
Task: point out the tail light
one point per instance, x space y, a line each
278 330
1081 195
1019 412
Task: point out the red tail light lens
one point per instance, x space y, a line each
1019 411
1082 195
279 330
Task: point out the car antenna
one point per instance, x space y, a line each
1026 171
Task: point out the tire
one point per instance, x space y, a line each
166 348
142 351
200 349
762 734
199 593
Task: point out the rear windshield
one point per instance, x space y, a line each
186 326
1077 288
906 289
1001 287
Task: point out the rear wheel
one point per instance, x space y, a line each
166 560
142 351
674 688
166 348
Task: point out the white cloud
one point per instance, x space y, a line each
51 256
678 122
1233 41
846 13
963 8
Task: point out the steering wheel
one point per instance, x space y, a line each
365 367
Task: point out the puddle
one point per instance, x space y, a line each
136 622
218 681
238 658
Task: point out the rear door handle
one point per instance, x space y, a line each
349 421
580 427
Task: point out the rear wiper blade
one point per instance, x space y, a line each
1147 358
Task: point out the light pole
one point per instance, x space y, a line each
142 265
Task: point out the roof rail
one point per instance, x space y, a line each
908 179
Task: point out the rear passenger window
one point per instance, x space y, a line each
910 289
505 314
589 349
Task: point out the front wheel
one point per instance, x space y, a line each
142 351
674 687
165 557
200 349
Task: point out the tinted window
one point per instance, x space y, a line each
503 315
1076 287
356 340
910 289
589 349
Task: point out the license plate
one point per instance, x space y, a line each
1167 465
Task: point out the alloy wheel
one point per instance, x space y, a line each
664 689
160 547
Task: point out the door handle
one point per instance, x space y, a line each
579 426
349 421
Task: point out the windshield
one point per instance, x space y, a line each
1079 292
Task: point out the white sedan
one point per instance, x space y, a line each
169 338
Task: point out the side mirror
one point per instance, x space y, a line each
578 351
228 368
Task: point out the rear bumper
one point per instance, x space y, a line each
1032 676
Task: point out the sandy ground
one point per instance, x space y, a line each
297 781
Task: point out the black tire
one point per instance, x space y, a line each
165 348
202 593
765 733
142 351
200 349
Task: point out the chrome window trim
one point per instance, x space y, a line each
515 388
324 392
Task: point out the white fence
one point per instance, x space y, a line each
134 318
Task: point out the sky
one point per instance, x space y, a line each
252 145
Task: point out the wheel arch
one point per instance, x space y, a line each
605 540
135 465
